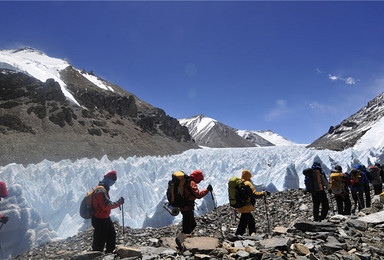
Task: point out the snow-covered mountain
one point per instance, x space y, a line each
211 133
362 130
259 138
51 110
44 198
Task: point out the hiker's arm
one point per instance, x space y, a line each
256 194
105 203
195 191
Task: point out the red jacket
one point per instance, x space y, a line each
192 193
101 202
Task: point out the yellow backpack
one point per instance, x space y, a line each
336 182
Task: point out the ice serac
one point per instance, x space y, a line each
362 130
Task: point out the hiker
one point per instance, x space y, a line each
339 184
104 233
191 193
377 183
368 179
357 181
246 218
316 183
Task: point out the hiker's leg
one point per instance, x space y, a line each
347 204
316 206
251 224
98 235
242 224
111 236
367 192
360 196
324 205
355 200
339 203
189 222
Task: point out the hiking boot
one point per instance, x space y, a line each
180 240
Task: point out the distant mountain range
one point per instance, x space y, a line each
211 133
51 110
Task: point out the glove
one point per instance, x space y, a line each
209 188
121 200
4 219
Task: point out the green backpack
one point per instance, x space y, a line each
238 193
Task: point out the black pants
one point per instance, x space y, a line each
320 198
343 204
189 222
358 198
378 188
246 220
103 235
367 196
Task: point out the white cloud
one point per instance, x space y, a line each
348 81
318 71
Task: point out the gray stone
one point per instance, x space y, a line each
278 243
242 254
316 226
358 224
375 218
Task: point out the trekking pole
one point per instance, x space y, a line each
122 215
266 213
213 199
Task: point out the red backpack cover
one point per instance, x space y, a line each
3 190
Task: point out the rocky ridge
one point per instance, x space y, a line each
284 231
37 122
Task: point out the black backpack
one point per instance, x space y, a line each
176 187
239 193
308 180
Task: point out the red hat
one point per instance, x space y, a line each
197 176
111 175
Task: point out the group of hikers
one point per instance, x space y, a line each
341 184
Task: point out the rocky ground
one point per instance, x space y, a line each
284 231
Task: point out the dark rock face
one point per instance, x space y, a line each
37 121
350 130
292 236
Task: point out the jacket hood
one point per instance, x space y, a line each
197 176
246 175
360 167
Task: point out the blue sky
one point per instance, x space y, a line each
295 68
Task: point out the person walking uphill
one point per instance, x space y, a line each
246 218
339 183
316 183
191 193
104 233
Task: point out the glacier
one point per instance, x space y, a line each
44 198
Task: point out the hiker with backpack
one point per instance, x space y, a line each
368 179
3 194
245 204
190 193
104 234
316 183
376 179
357 183
339 183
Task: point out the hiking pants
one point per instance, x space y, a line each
367 192
103 235
358 198
189 222
320 198
378 188
343 204
246 220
